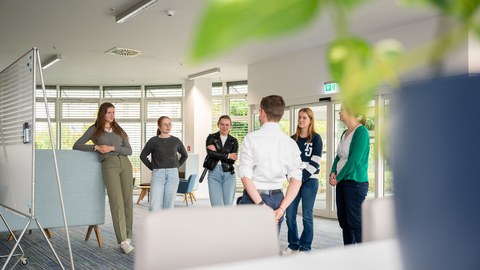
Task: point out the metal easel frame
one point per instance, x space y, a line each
32 217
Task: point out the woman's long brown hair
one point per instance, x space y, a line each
311 128
100 122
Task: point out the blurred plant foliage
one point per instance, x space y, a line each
358 66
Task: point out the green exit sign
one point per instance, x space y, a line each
330 87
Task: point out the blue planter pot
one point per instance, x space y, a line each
436 165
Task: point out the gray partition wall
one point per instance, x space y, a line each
82 187
17 109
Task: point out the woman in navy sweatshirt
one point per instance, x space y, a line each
311 145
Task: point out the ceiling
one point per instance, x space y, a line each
82 30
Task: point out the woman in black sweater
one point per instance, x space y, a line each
164 164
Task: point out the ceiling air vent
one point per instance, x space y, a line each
123 52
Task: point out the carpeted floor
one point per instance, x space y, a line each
87 254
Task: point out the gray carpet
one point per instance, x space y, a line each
87 254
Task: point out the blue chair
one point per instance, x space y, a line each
186 186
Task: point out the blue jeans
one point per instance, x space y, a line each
273 200
163 188
221 187
350 196
307 193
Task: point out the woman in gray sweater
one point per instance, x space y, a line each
164 164
111 143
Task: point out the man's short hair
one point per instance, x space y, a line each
274 107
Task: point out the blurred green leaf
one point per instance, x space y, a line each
359 68
475 26
389 56
346 3
352 66
228 23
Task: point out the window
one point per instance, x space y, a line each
217 89
79 92
240 87
76 110
122 92
284 122
172 109
217 103
73 109
41 112
42 135
50 90
134 132
164 91
71 131
163 100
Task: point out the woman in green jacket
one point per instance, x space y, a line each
349 175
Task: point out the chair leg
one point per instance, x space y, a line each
99 237
193 194
97 234
140 197
10 237
191 198
185 199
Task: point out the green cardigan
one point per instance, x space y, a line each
356 167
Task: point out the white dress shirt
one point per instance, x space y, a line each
269 156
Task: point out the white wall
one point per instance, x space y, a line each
198 121
299 77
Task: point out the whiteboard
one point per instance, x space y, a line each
17 106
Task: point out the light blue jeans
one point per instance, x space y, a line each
221 187
163 188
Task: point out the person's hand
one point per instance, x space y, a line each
333 182
105 148
279 213
333 179
211 147
233 156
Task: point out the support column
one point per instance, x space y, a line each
198 121
473 54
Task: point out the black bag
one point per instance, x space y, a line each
209 164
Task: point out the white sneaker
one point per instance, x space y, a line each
288 251
126 247
304 253
128 241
